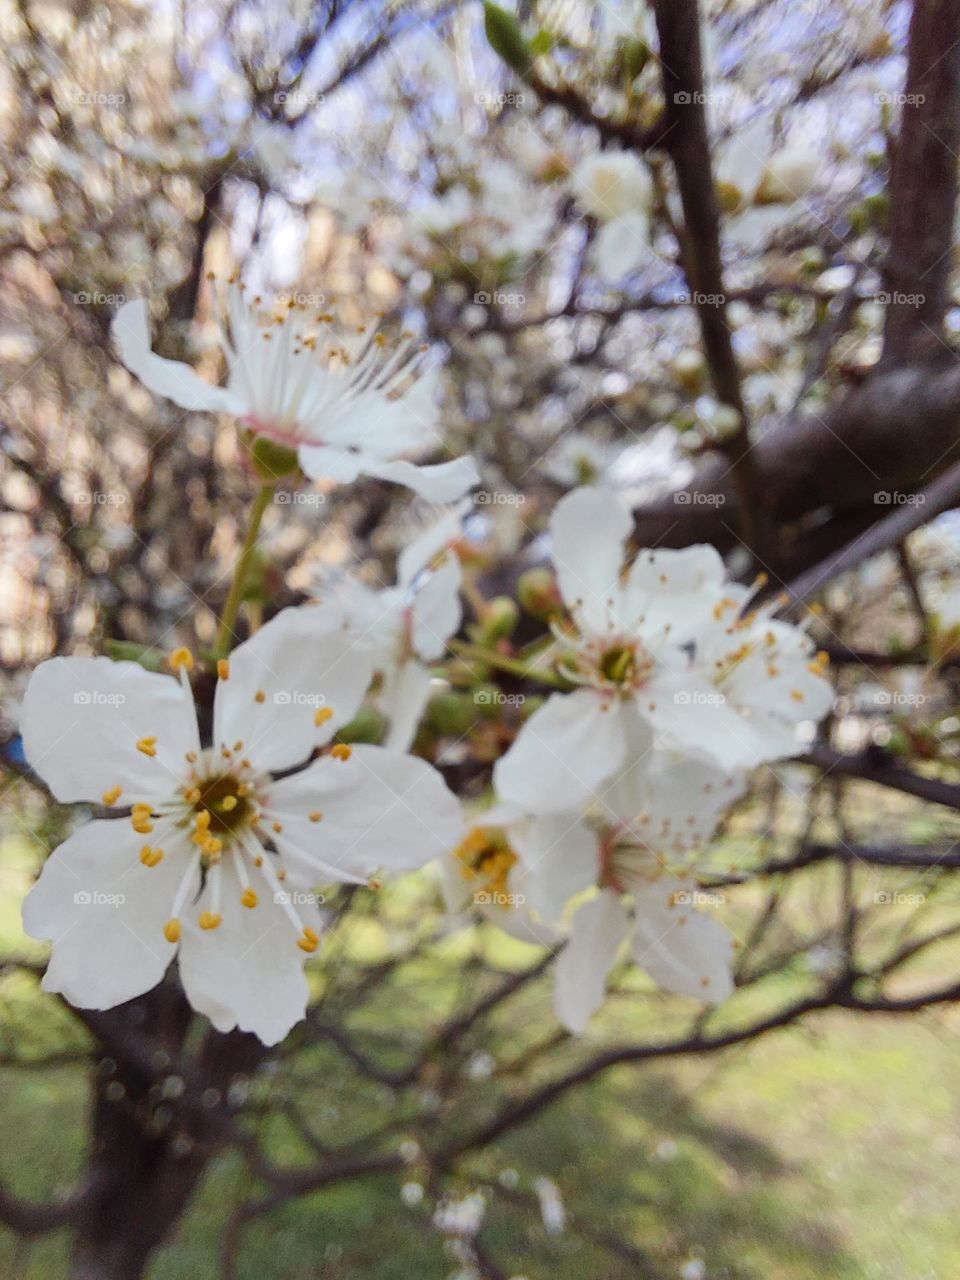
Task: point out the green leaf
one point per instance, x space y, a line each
506 38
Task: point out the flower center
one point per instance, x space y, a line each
486 859
619 664
226 799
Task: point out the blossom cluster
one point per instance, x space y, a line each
213 845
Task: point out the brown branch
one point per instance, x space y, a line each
687 140
923 186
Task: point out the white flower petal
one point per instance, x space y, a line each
440 534
683 950
405 693
381 809
436 610
563 753
104 912
323 462
304 661
168 378
559 857
622 246
588 528
676 588
598 929
693 716
82 719
442 482
248 972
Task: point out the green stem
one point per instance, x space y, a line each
500 660
241 570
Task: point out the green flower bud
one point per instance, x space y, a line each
499 620
539 594
451 714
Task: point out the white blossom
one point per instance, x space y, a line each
349 405
661 651
206 855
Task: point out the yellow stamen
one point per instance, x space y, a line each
209 920
150 857
142 826
316 815
322 715
259 696
148 746
171 931
278 827
308 941
340 751
112 796
181 659
249 899
223 669
228 803
193 795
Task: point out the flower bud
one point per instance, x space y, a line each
539 594
499 620
451 714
